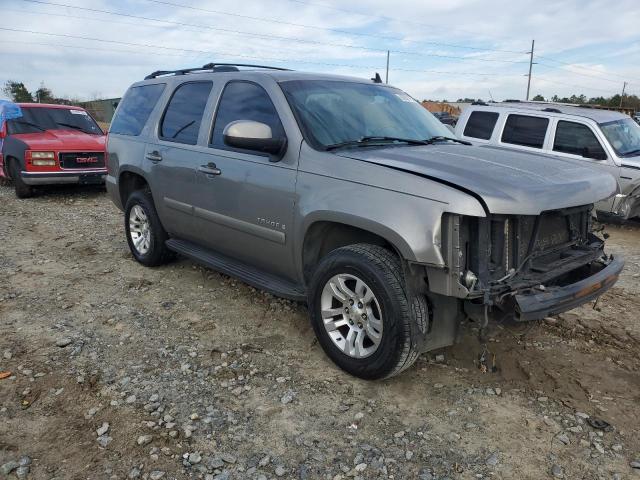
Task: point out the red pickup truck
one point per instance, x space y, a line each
51 144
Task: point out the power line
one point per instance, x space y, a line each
230 54
406 20
259 35
316 27
538 77
578 73
577 66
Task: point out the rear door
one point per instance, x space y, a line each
245 210
173 158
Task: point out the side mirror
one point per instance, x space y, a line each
594 153
256 136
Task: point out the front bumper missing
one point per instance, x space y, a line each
555 300
62 178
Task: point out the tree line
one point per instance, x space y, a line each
19 93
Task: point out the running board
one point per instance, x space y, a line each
248 274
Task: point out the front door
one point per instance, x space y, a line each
244 200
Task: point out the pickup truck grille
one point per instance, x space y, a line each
81 160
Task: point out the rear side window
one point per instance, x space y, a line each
577 139
135 108
245 101
525 130
480 125
182 119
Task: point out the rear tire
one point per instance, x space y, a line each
145 234
22 189
361 288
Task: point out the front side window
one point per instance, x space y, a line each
245 101
577 139
333 112
135 108
525 130
40 119
480 125
183 116
624 136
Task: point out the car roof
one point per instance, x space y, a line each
596 114
49 105
277 75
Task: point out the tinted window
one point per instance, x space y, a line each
525 130
577 139
245 101
135 108
181 120
39 119
480 125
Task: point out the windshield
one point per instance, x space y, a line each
623 135
39 119
336 112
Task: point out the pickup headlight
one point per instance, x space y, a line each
43 159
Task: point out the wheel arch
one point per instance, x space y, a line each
129 181
324 234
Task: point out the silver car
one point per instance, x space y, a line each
347 194
606 140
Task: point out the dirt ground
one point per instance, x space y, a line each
192 374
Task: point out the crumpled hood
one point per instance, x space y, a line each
507 181
65 140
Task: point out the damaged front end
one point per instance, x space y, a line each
524 267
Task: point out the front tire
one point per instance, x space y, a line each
361 311
145 234
22 189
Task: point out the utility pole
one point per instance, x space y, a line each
624 86
386 78
533 42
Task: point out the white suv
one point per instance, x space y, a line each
607 140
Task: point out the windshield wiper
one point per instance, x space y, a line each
183 128
372 140
75 127
439 138
631 153
24 122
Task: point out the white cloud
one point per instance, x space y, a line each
599 39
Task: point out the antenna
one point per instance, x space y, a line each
491 96
377 78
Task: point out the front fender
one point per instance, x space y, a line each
410 223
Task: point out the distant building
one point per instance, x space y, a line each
101 110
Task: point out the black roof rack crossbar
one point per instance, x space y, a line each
210 67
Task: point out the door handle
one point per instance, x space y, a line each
209 169
153 156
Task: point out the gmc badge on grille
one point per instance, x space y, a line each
86 159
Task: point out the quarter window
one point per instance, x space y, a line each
480 125
525 130
182 119
244 101
577 139
135 108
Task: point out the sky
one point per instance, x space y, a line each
86 49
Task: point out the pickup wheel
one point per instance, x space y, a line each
145 234
361 313
22 189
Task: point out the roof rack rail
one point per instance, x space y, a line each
551 110
479 102
212 67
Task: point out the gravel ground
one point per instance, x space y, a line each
119 371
